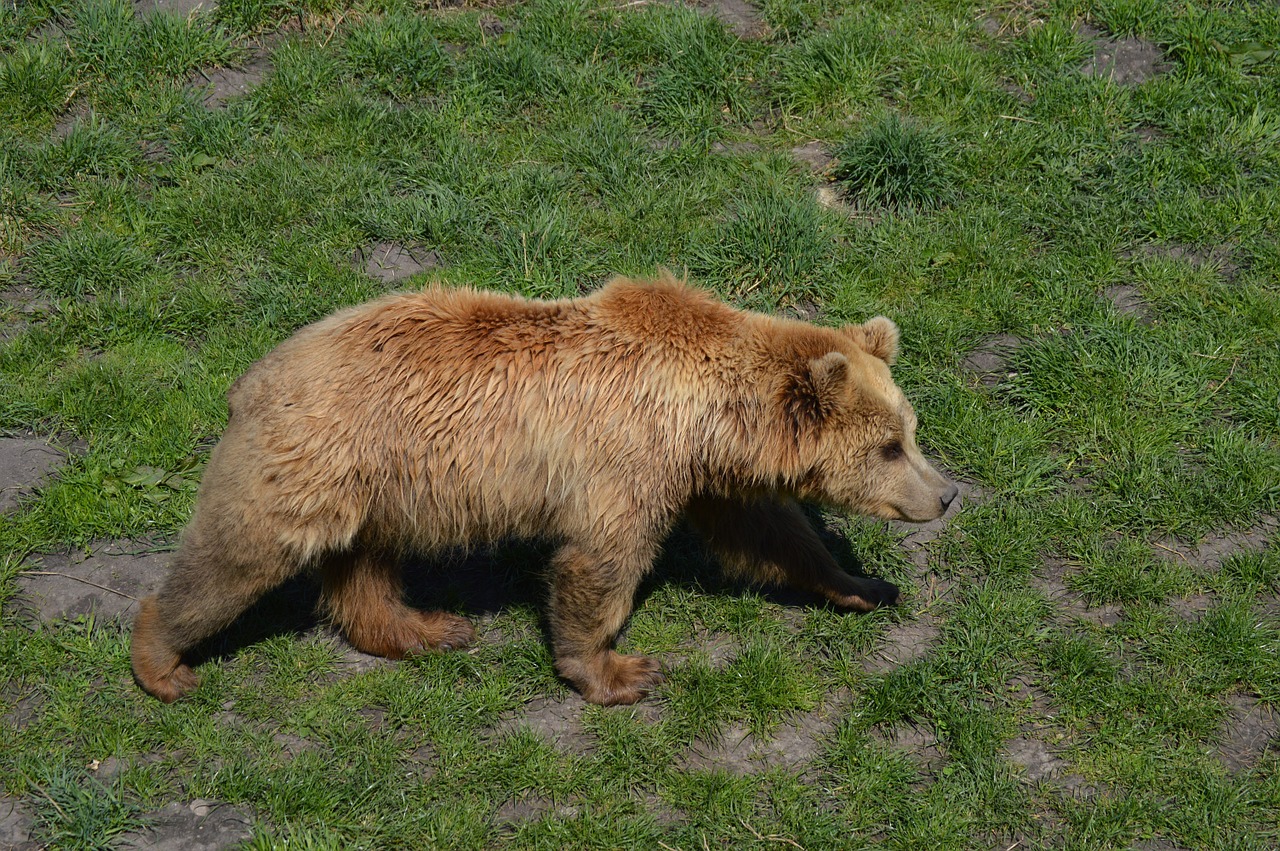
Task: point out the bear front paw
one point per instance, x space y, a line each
867 595
616 680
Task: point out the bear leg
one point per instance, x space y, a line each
363 592
208 587
591 599
773 542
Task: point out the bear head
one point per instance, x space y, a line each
856 431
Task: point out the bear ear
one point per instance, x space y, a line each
877 337
827 375
814 393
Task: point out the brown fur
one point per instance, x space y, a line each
450 417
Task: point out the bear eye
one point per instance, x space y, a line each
892 451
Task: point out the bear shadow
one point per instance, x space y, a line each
481 582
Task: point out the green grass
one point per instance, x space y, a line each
979 185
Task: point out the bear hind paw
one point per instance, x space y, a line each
412 632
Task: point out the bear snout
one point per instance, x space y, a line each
949 495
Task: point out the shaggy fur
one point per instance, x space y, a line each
450 417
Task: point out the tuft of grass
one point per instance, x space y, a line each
36 82
771 247
397 54
841 68
898 164
76 812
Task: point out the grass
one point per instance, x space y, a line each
980 184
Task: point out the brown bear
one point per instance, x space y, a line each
452 416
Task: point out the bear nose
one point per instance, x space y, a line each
948 495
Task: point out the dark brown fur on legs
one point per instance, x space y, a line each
591 598
364 594
209 586
771 541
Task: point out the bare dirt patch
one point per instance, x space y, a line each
832 199
989 361
1050 580
738 16
176 7
353 661
1128 301
1220 258
903 643
25 461
16 823
1251 729
814 155
557 721
1215 549
220 85
1125 61
734 148
107 581
792 746
390 262
1026 692
23 304
1191 608
197 826
1037 761
920 743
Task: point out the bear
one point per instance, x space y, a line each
453 417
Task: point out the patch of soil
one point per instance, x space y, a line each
1191 608
1035 759
1251 729
792 746
559 722
736 148
176 7
1127 301
1012 88
529 807
24 706
1126 61
1050 580
222 84
198 826
108 580
25 461
919 743
1215 549
1148 133
831 198
989 361
390 262
491 26
291 745
1219 258
903 643
16 823
26 303
738 16
353 661
808 311
814 155
1027 693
